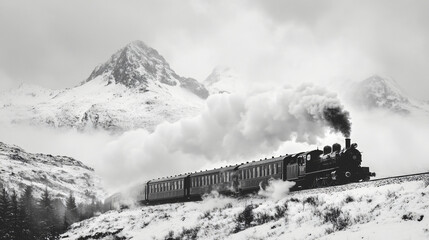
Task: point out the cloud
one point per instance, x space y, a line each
57 44
232 128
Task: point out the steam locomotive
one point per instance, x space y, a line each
312 169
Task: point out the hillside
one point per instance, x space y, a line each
134 88
377 92
386 209
61 175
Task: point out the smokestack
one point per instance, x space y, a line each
348 140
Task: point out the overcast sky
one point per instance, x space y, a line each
56 44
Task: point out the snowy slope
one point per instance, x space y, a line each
378 92
135 88
387 209
59 174
223 80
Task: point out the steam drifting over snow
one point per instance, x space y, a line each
392 209
230 128
277 189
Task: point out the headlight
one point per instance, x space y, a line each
354 157
308 157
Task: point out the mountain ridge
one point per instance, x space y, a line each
135 88
61 175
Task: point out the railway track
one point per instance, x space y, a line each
400 176
423 176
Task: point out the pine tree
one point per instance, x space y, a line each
72 214
47 219
15 223
5 216
27 215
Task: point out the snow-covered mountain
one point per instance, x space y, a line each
378 92
135 88
59 174
386 209
222 80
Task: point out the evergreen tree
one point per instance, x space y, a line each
5 216
72 214
28 212
15 223
46 217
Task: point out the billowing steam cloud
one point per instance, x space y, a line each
231 128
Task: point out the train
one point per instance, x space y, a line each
312 169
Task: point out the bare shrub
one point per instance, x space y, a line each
335 216
349 199
311 201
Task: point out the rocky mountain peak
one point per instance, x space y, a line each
137 66
381 92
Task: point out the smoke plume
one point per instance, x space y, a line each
338 120
231 128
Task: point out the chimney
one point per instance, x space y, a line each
348 140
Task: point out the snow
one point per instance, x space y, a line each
377 92
102 101
60 175
385 209
224 79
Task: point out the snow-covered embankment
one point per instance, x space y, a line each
388 209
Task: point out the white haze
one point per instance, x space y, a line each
232 129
